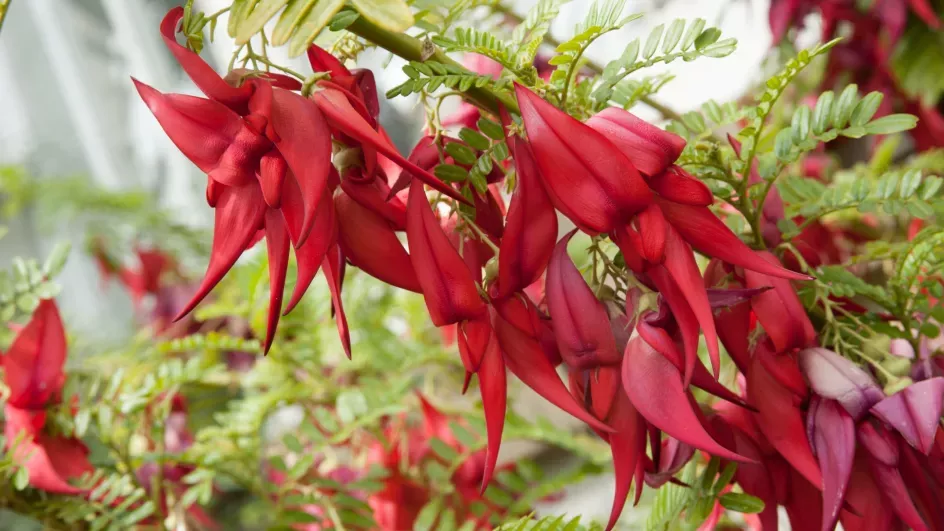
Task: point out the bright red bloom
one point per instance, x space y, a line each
33 371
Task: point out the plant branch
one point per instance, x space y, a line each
412 49
4 7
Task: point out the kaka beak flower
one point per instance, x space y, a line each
779 418
517 332
370 243
581 325
650 149
672 456
586 177
531 227
833 377
33 372
832 435
882 455
654 386
915 412
780 311
360 82
373 194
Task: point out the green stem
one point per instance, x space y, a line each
413 49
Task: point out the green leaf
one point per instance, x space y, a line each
462 154
823 112
443 450
801 124
261 13
741 503
707 37
694 30
491 129
844 106
343 19
57 259
652 42
892 123
294 12
474 139
312 24
21 478
391 15
426 518
865 109
673 35
450 173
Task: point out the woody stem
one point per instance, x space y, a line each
412 49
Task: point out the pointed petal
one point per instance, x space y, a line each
203 76
586 177
780 311
277 244
334 273
725 298
474 339
322 61
678 186
212 136
834 377
369 243
525 358
531 227
50 460
305 143
580 322
684 317
660 340
373 196
780 421
710 236
680 263
448 286
834 441
239 214
649 148
323 235
872 512
33 366
915 412
493 388
339 112
626 451
654 386
885 471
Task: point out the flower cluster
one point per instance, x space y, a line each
308 167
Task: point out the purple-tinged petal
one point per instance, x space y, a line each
915 412
834 442
834 377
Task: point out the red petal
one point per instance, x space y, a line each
587 177
493 388
531 227
649 148
680 263
580 322
915 412
305 142
272 170
334 273
525 358
322 61
624 445
373 196
780 421
339 112
890 483
212 136
239 215
50 460
277 244
203 76
678 186
709 235
32 367
834 441
323 235
926 11
651 231
684 317
654 386
368 242
780 311
448 286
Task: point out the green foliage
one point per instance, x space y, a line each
774 88
529 35
846 116
548 523
681 40
26 283
428 76
918 63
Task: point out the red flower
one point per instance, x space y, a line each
33 371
